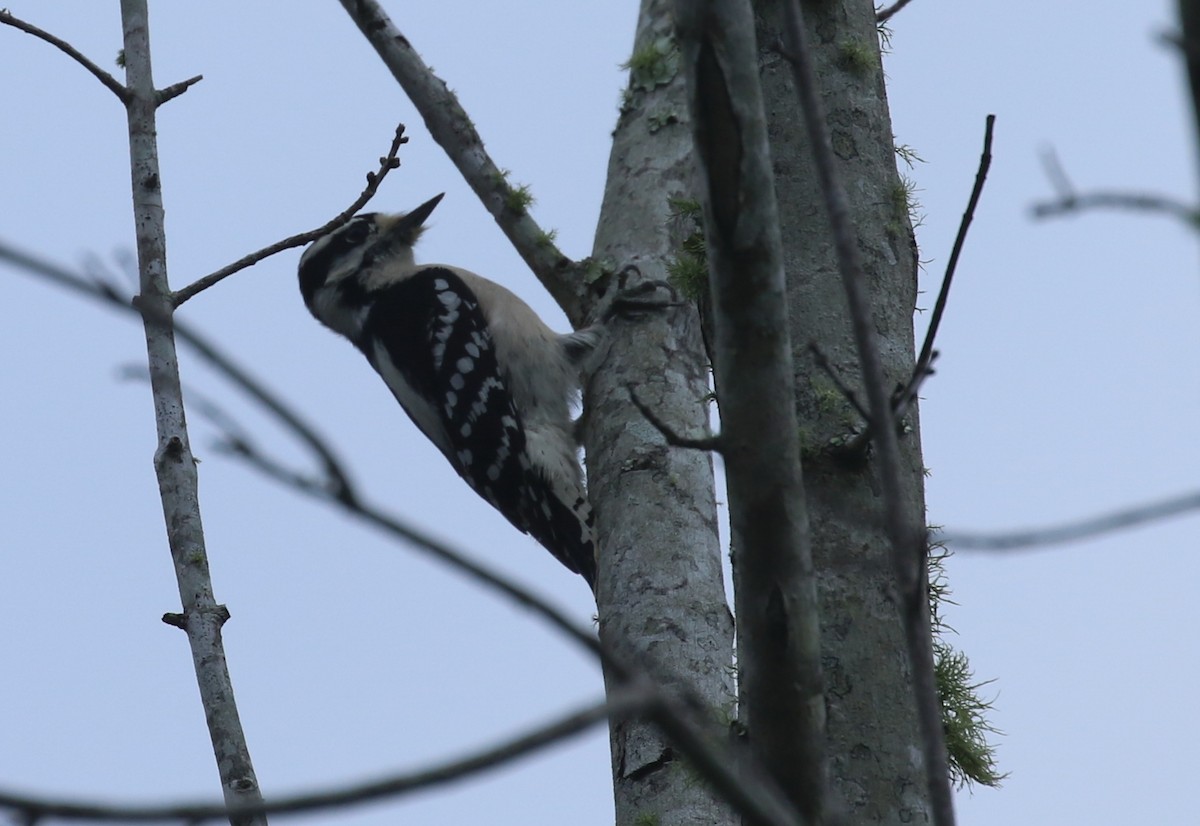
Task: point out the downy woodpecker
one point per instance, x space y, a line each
471 364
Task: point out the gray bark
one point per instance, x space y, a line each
873 734
173 461
778 630
660 593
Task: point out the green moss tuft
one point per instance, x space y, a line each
518 199
687 271
655 64
964 711
856 58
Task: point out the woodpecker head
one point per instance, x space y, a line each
358 257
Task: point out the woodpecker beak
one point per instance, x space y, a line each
409 224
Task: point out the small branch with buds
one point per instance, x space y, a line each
387 163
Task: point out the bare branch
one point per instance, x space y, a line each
174 464
238 444
453 130
336 482
747 791
1187 40
176 89
883 15
673 438
925 360
387 163
625 701
747 788
113 85
1070 202
907 539
1132 201
823 362
1073 531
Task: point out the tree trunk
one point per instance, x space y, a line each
873 740
660 593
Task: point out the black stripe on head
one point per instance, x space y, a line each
323 255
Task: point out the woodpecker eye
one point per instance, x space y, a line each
355 234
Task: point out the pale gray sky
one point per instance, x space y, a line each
1066 386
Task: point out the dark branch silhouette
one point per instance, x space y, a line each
106 291
1070 201
1073 531
176 89
822 361
745 786
673 438
883 15
387 163
110 82
907 539
923 370
625 701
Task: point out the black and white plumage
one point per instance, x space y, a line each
471 364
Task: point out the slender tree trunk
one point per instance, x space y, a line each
174 464
660 596
778 628
872 730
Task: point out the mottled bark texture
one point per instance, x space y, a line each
778 628
873 736
660 594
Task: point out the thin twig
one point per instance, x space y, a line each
1073 531
374 179
1187 40
907 540
337 480
673 438
239 445
176 89
113 85
625 701
883 15
924 361
1069 201
747 791
1131 201
823 362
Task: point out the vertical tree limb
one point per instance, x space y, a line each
1189 24
873 735
660 593
173 461
779 653
908 548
